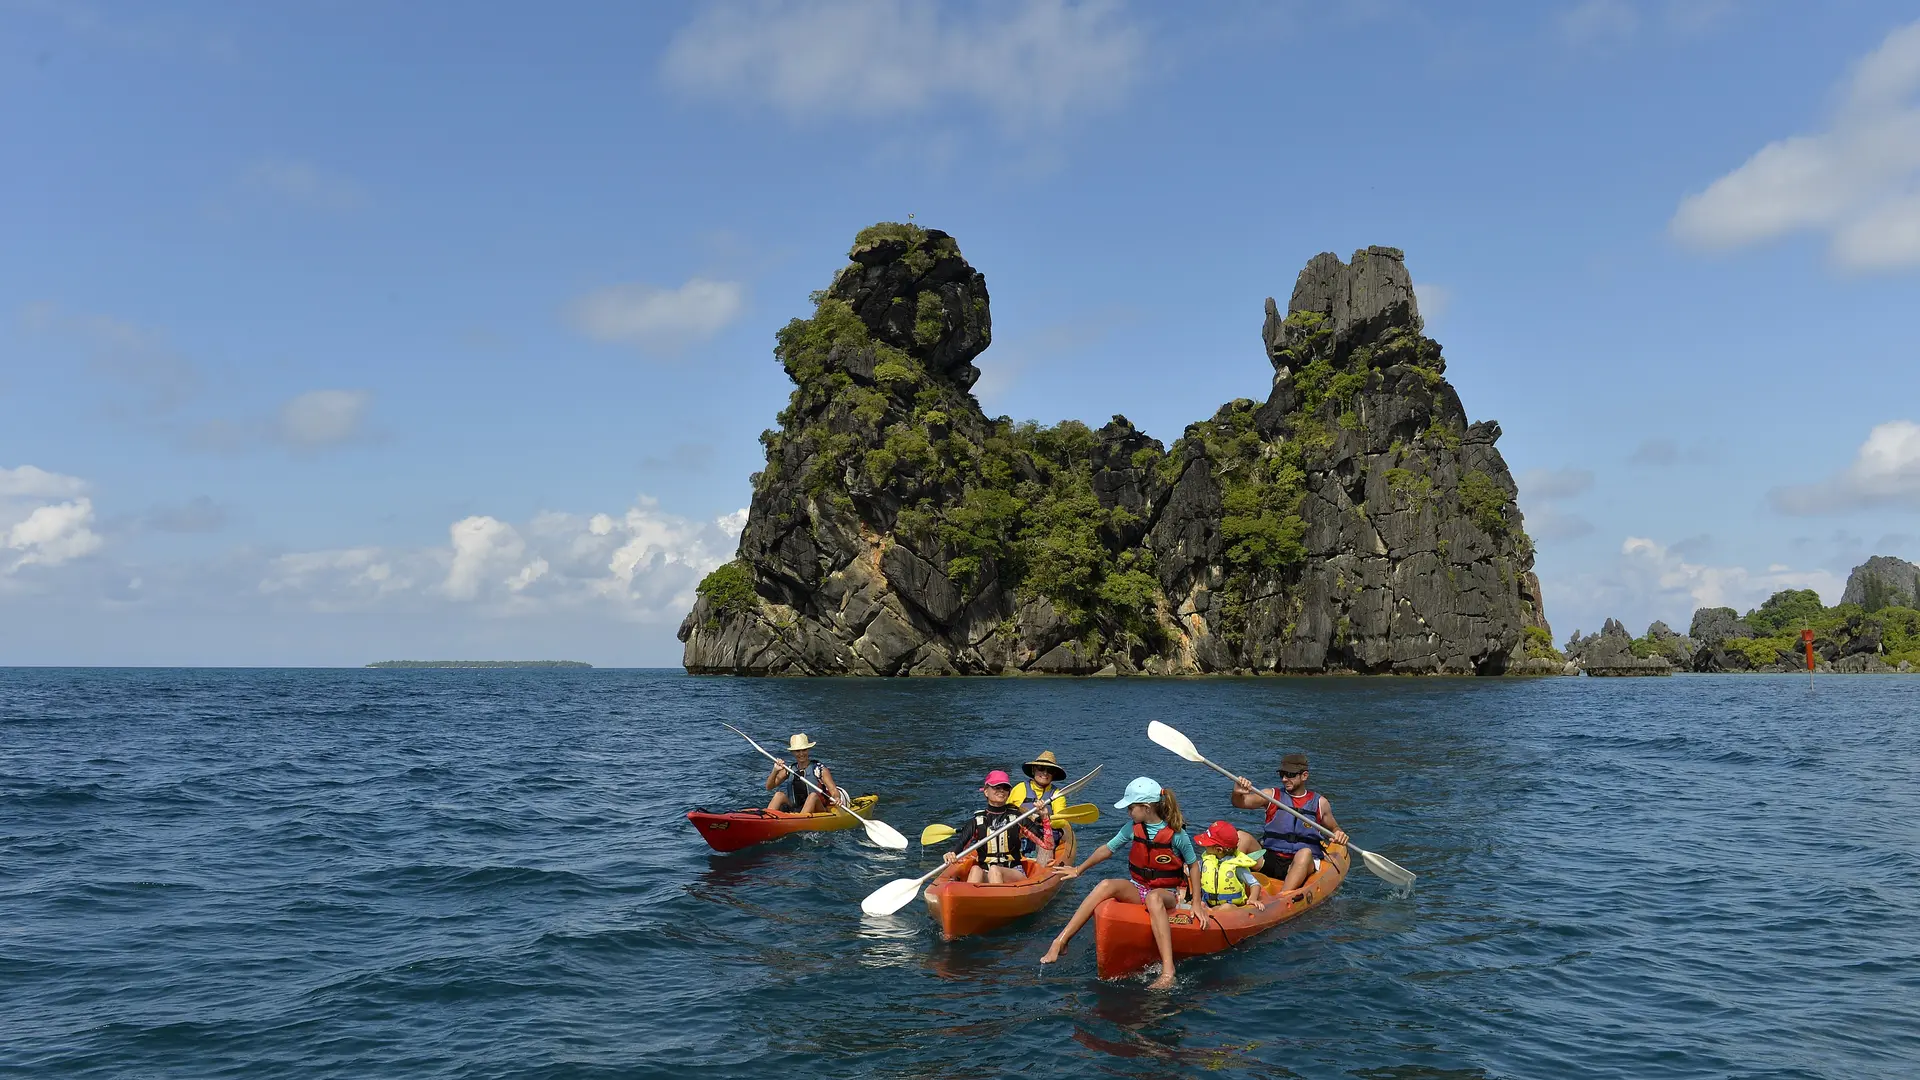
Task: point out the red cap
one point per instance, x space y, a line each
1222 834
998 778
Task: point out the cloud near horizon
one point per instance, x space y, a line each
35 531
1885 472
1030 63
1858 181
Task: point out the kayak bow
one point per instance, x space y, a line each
744 828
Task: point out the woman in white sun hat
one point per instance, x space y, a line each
790 792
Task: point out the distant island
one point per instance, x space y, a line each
480 664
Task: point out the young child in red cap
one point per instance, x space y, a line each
1226 874
999 862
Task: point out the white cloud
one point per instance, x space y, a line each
1555 483
53 534
480 544
1032 62
303 184
1885 472
29 481
1660 570
1432 300
1596 21
1858 181
657 318
322 417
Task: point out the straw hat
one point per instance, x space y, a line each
1045 760
800 742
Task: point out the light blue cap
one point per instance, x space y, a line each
1143 789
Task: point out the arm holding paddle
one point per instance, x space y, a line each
878 831
1379 865
1248 797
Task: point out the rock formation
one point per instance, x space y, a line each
1613 651
1353 521
1883 581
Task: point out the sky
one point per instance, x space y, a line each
335 331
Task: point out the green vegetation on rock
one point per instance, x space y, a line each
729 589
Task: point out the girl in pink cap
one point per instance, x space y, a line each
999 861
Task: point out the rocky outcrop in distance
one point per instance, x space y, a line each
1875 629
1354 520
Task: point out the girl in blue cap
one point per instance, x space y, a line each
1160 862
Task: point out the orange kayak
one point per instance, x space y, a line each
744 828
965 908
1123 937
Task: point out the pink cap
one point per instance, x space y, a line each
998 778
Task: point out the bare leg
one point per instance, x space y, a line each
1159 903
778 802
1297 872
1249 843
1001 875
975 875
815 803
1116 888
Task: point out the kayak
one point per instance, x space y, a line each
744 828
964 908
1123 937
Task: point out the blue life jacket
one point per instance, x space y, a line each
1286 834
797 788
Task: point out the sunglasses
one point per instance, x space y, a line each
1291 775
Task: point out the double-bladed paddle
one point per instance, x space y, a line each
877 831
1383 868
900 892
1078 814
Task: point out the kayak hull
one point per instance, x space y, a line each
744 828
962 908
1123 934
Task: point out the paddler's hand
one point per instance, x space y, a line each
1339 836
1068 872
1242 786
948 857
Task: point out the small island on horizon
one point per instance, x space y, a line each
479 664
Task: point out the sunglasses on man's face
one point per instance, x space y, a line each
1291 775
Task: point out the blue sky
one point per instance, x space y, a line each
331 332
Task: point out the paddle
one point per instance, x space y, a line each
1080 814
1383 868
877 831
900 892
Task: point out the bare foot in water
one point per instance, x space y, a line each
1164 982
1053 954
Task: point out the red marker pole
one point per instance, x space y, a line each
1806 638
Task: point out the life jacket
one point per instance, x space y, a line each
1220 877
798 790
1044 819
1002 850
1152 860
1286 834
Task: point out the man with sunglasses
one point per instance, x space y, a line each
1292 849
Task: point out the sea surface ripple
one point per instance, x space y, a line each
319 873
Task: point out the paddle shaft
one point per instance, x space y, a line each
1008 827
793 771
1324 831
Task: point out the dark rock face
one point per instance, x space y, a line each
1883 581
1712 625
1610 652
1354 521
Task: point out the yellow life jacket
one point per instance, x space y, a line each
1220 878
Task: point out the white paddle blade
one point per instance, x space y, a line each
891 897
1174 741
885 835
1386 869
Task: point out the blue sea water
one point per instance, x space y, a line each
488 873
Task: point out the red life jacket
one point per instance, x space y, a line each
1286 834
1153 862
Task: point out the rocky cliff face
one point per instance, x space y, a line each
1353 521
1883 581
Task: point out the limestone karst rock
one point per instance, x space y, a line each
1353 521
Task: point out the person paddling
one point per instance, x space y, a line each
999 862
1045 772
1289 848
795 795
1160 862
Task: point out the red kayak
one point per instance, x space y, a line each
1123 936
745 828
